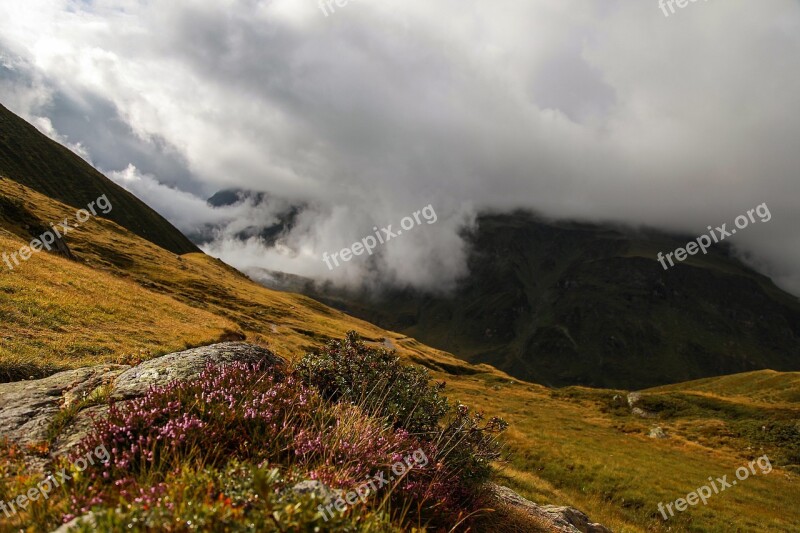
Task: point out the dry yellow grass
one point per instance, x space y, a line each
56 314
125 296
154 300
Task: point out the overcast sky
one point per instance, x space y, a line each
603 110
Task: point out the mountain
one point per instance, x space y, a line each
123 301
563 303
273 221
32 159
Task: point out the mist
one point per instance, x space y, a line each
602 112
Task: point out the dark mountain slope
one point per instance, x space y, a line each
564 304
30 158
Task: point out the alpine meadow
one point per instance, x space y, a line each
447 267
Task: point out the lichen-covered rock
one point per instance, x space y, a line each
186 365
28 407
558 519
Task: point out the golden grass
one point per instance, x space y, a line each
59 314
567 451
125 296
155 300
763 387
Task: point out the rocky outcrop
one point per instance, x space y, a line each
553 518
187 365
28 409
633 399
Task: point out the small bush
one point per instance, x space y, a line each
374 379
379 383
246 413
469 446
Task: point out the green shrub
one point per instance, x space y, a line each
374 379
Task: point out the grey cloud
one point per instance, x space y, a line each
606 112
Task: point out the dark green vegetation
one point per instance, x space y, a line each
30 158
375 380
566 304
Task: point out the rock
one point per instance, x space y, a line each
28 407
560 519
641 413
322 491
658 433
187 365
633 398
578 520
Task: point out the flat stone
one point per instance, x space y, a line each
560 519
28 407
187 365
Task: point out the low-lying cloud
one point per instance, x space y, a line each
603 111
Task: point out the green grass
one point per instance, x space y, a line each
573 446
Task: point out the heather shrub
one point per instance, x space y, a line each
374 379
248 414
225 412
471 445
240 496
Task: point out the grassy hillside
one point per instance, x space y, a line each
123 298
766 386
126 298
30 158
120 279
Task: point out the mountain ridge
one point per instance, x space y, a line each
29 157
564 303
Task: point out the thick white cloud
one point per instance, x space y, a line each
602 110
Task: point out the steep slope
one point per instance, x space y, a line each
119 280
561 304
30 158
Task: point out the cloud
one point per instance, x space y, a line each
604 112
